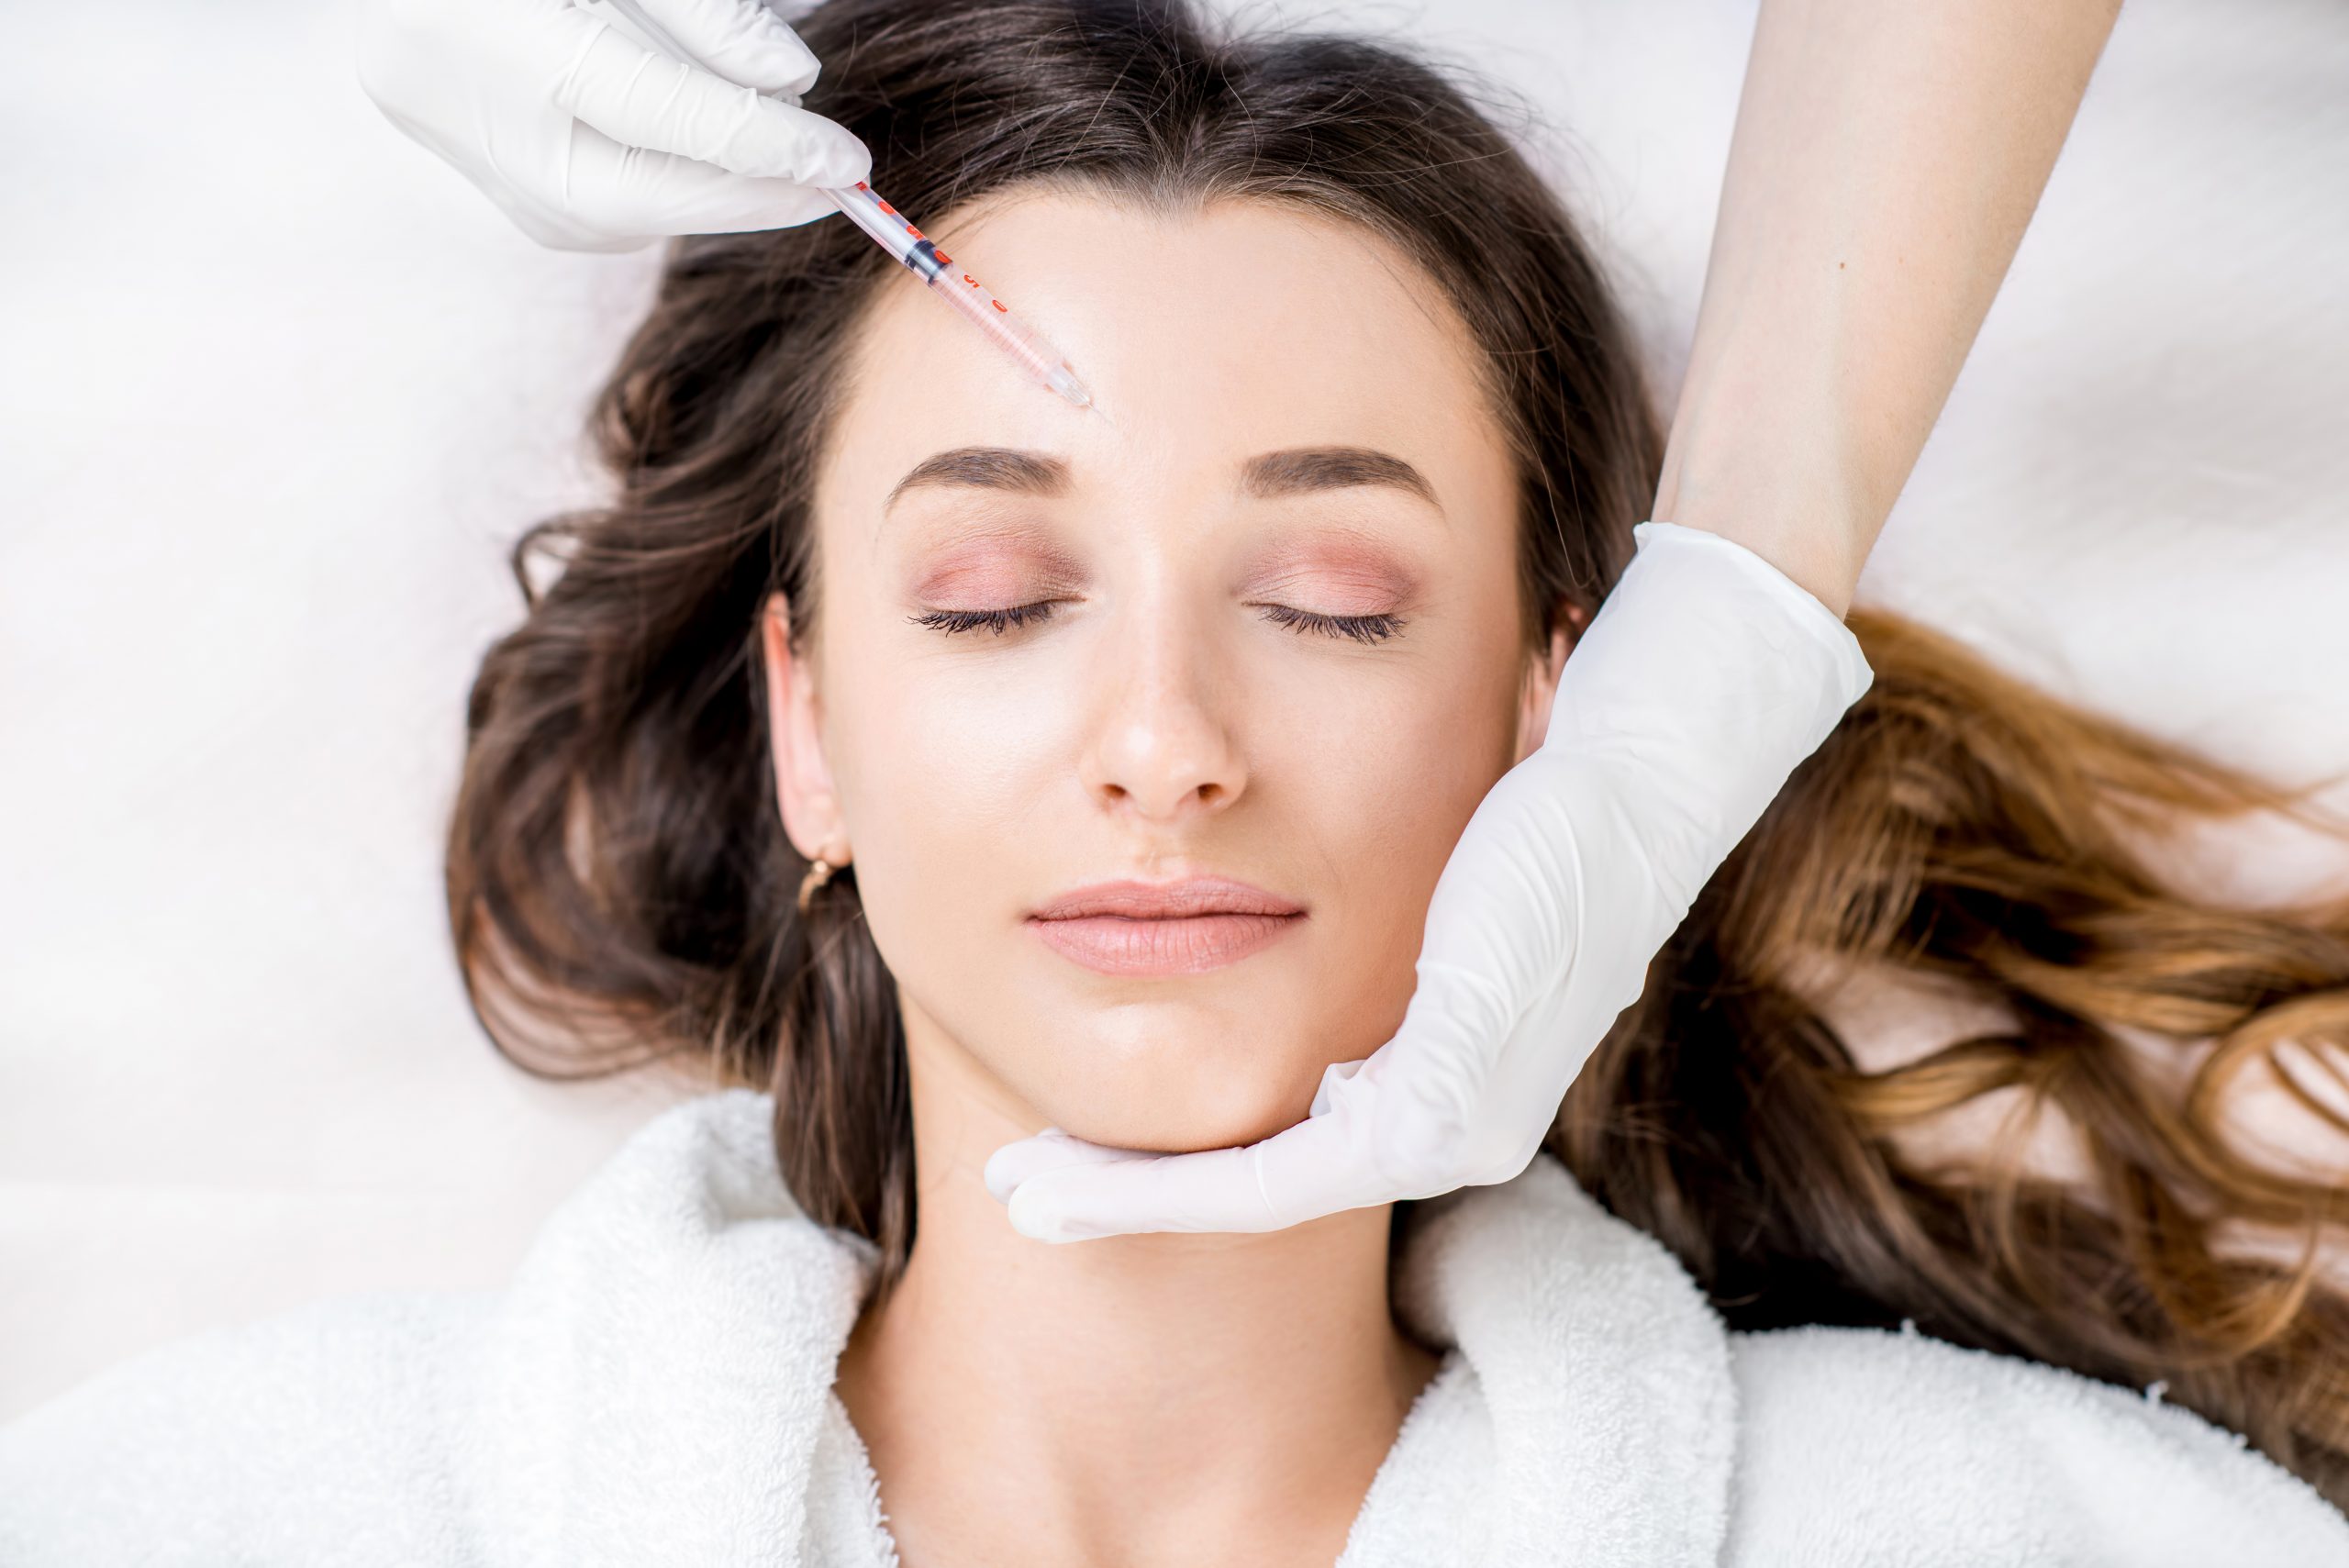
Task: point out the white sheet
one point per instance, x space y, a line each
283 388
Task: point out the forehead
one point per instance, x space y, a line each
1207 335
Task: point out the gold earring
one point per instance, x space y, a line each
817 874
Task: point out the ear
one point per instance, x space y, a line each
811 813
1542 677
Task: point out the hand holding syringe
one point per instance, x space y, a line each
958 289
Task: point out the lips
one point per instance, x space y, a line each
1167 900
1159 928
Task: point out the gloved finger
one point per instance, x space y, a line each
628 190
1051 1149
640 99
1318 1166
741 41
1436 1071
1056 1148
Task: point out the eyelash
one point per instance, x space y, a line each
1360 628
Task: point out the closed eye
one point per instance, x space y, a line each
953 621
1360 629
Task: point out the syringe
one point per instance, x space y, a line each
962 292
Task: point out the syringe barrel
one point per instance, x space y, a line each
962 292
971 300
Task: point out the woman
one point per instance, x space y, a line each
1885 164
799 772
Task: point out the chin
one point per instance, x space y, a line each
1180 1110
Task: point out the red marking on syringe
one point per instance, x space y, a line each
1009 331
1010 336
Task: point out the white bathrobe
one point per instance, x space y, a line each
656 1388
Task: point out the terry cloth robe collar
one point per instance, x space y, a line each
662 1369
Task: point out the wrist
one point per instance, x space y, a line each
1816 540
1759 467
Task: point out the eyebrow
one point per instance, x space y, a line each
1296 471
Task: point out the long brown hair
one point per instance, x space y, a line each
621 891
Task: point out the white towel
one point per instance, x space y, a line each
655 1387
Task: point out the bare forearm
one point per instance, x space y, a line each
1887 160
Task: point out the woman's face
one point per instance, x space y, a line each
1288 428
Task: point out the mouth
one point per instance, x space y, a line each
1162 929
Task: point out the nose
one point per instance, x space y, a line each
1165 747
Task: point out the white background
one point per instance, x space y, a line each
281 389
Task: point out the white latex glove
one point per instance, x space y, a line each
590 137
1707 676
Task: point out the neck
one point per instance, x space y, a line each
1137 1399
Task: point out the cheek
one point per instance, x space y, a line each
948 781
1386 771
938 761
1389 785
1384 819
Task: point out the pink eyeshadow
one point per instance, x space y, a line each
1367 577
991 570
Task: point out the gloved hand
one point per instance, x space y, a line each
590 137
1704 679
